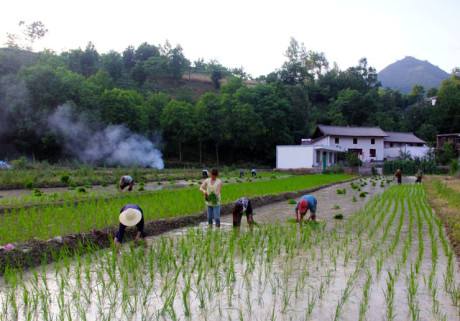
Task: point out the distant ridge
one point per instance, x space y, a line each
403 74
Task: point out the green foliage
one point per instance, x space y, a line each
20 163
65 179
236 122
338 216
410 167
446 154
454 166
353 159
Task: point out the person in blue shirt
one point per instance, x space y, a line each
306 202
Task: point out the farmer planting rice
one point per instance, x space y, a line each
211 189
130 215
242 206
126 181
307 202
398 176
419 176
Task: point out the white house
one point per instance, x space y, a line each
396 143
371 144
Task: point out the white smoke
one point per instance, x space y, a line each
113 145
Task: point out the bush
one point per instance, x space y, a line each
410 167
20 163
338 216
353 159
453 167
29 185
81 189
65 179
335 169
341 191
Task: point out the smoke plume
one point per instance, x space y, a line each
112 145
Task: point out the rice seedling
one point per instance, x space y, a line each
389 295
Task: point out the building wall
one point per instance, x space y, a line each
364 143
414 151
295 156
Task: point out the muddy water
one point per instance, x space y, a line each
282 289
329 204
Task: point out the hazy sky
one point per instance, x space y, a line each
252 33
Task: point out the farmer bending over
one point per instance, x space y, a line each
130 215
307 202
126 181
241 207
211 189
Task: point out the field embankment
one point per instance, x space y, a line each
444 196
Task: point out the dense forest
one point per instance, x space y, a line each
233 120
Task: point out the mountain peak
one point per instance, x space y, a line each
403 74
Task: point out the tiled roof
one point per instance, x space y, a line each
396 137
351 131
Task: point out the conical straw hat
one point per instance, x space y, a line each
130 217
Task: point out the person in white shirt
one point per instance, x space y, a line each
211 189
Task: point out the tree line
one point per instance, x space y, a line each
232 122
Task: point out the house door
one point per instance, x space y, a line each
324 160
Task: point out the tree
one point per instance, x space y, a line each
145 51
417 94
216 76
432 92
31 32
112 62
177 63
121 106
176 121
212 121
294 70
129 58
448 105
446 154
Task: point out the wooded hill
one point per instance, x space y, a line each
146 89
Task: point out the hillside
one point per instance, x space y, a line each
403 74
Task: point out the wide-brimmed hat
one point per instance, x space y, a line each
130 217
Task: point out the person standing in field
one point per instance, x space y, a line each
398 176
419 176
130 215
126 181
307 202
242 207
211 189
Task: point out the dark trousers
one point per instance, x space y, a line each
122 228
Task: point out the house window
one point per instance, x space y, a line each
337 140
373 141
372 152
318 157
391 144
355 140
